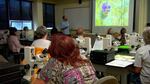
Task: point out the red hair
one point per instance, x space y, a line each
64 49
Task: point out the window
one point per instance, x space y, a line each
27 24
20 24
49 15
14 9
3 15
20 10
26 12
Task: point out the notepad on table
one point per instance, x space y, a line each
119 63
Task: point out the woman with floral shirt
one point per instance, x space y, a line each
66 65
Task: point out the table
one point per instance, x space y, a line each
26 42
114 70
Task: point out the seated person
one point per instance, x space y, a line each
54 31
24 32
66 65
80 37
122 36
3 60
41 41
142 59
14 44
80 31
64 26
116 36
109 31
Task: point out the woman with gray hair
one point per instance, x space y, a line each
41 38
142 59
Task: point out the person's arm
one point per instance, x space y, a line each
64 28
64 25
17 43
137 70
138 62
38 81
46 72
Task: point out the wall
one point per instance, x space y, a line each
37 14
62 4
141 15
148 11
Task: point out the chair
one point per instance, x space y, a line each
107 80
2 59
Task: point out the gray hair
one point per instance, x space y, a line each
40 32
146 36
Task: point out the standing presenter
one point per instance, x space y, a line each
64 27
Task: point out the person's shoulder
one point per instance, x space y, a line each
45 41
55 63
143 49
13 37
52 60
84 66
48 41
35 40
41 40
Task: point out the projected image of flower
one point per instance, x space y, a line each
112 12
105 8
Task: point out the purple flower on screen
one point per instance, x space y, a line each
106 7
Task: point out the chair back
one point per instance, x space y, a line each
107 80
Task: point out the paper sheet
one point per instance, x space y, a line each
98 45
124 57
119 63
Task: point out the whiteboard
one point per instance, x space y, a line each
78 17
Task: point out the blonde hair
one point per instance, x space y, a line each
80 31
146 36
40 32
